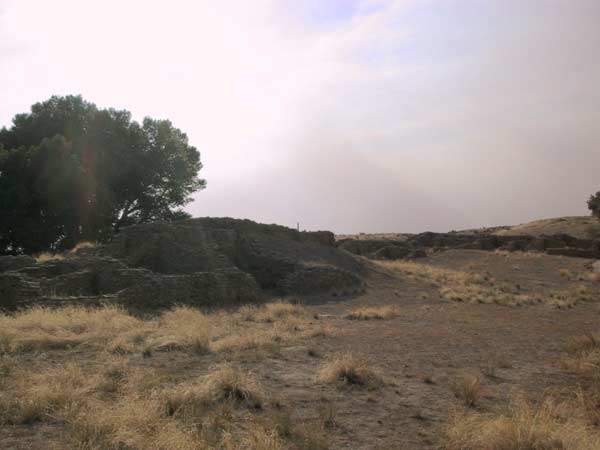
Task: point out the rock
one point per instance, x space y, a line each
368 247
513 243
544 243
418 253
392 252
8 263
318 279
219 287
574 252
596 267
17 290
514 246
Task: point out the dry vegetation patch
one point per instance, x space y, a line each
569 419
228 384
460 286
113 329
524 427
373 312
349 370
110 398
468 388
116 406
455 285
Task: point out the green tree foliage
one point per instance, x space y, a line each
70 171
594 204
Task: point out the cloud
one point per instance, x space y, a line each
348 115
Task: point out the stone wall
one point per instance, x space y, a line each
198 261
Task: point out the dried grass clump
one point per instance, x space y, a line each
52 394
584 343
570 297
186 326
243 340
297 435
48 256
260 438
271 312
133 423
468 388
83 244
60 393
350 370
223 385
373 313
584 357
571 275
42 328
228 384
525 427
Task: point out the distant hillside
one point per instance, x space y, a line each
583 227
577 226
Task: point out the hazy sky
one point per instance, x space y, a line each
349 115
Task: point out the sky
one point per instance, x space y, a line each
346 115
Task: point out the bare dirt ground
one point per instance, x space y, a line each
420 351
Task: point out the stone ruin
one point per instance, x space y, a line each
415 246
201 262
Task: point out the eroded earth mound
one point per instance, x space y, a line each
203 261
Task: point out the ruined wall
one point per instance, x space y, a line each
198 262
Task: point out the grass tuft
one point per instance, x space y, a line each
373 313
349 370
468 388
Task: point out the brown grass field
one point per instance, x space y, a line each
463 350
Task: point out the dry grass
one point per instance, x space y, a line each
327 415
571 423
524 427
268 340
492 363
373 313
39 328
83 244
48 256
117 406
571 275
459 286
583 360
223 385
228 384
527 254
183 328
186 326
349 370
271 312
468 388
113 399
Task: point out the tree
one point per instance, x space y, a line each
594 204
70 171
